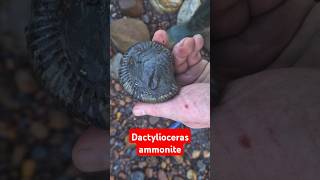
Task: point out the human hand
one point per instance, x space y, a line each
266 121
250 35
192 105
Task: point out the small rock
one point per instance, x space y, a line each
166 6
137 175
196 154
118 87
146 18
122 175
142 164
201 166
122 102
179 159
191 175
58 120
113 131
39 130
177 178
28 168
206 154
115 65
133 8
18 153
163 165
128 99
25 82
162 175
187 10
127 31
118 116
149 172
153 120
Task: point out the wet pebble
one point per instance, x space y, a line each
162 175
137 175
149 172
191 175
196 154
118 87
28 168
39 130
115 65
25 82
58 120
127 31
187 10
133 8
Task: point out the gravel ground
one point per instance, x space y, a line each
36 137
124 163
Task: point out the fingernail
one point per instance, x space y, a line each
138 112
197 36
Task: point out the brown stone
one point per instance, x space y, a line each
126 32
133 8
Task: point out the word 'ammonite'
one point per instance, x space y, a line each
147 72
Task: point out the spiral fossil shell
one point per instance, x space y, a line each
68 42
147 72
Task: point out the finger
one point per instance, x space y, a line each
161 37
195 56
165 110
90 152
181 51
192 74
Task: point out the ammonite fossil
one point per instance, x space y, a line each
68 42
147 72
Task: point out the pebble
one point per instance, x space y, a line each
39 130
128 99
179 159
142 164
28 168
191 175
118 116
115 65
133 8
146 18
113 131
163 165
187 10
122 175
196 154
118 87
122 102
162 175
137 175
201 166
206 154
25 82
58 120
18 154
166 6
127 31
149 172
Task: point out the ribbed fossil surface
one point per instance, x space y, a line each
68 42
147 72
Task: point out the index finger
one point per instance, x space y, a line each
161 37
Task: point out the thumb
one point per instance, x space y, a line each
166 110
